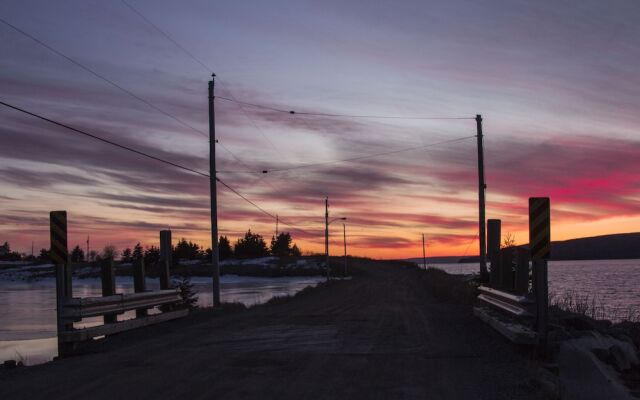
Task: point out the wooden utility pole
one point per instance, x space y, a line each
326 232
214 197
424 253
481 202
277 220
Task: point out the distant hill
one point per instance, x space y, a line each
606 247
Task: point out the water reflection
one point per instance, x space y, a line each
27 309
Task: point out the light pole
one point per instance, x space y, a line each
326 231
344 232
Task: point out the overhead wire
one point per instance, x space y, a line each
140 153
321 114
204 66
351 159
102 77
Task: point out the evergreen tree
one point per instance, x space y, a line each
109 251
77 254
138 252
224 248
127 255
251 246
44 255
186 250
295 251
151 255
281 245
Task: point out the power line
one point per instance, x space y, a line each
166 35
206 67
144 154
82 132
364 157
319 114
103 78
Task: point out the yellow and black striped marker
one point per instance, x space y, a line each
59 252
539 228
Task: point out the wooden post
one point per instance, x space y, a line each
522 271
493 242
506 269
482 187
59 254
540 247
108 285
165 259
139 283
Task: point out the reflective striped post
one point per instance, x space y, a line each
540 247
59 255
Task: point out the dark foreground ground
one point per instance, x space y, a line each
381 335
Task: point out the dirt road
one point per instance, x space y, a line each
378 336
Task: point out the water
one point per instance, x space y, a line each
28 315
613 283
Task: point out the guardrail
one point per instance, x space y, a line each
515 302
70 309
74 309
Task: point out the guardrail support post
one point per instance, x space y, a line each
108 285
522 271
59 254
165 259
139 283
540 247
493 247
506 269
541 291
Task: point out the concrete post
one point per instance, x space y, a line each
108 285
166 253
493 240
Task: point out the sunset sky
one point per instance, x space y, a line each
556 82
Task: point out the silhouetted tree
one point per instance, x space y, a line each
224 248
138 252
281 246
77 254
44 255
94 256
109 251
252 245
151 255
186 250
127 255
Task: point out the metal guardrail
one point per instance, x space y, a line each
116 304
518 306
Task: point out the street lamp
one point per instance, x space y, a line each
326 238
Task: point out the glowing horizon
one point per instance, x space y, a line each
555 91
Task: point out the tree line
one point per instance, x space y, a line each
251 245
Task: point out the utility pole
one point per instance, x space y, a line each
344 232
481 202
424 253
32 248
87 257
326 232
214 197
277 220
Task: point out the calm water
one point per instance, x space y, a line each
27 309
614 283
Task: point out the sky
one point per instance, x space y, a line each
556 84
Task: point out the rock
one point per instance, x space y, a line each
621 360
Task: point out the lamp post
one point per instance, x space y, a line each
326 233
344 232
